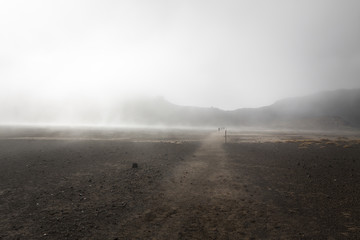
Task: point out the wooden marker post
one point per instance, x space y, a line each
225 136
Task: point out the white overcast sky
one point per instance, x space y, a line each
226 54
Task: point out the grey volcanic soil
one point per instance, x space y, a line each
56 185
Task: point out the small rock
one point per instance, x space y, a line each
134 165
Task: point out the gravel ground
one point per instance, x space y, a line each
188 185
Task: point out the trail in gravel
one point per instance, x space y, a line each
197 199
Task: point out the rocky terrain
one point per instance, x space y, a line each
187 185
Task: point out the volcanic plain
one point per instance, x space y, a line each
91 183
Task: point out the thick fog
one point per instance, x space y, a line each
79 61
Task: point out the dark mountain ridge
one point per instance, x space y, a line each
338 109
326 110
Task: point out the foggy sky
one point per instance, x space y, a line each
226 54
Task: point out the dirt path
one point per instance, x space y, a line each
197 200
201 177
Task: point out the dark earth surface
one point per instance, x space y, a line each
188 185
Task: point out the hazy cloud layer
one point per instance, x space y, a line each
227 54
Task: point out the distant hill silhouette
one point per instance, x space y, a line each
326 110
338 109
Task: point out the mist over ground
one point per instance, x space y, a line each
334 110
138 62
181 119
